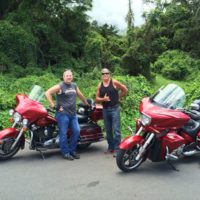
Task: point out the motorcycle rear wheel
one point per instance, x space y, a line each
126 159
5 151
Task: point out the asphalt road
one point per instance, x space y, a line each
95 177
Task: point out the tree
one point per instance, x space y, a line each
59 29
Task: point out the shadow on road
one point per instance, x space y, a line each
33 155
163 168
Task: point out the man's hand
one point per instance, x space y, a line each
53 107
106 97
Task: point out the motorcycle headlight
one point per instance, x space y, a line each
145 119
17 117
25 122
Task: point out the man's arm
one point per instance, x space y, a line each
121 87
81 96
49 93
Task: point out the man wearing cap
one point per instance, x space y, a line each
109 93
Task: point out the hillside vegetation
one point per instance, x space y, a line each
39 39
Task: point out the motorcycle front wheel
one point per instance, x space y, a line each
126 159
6 152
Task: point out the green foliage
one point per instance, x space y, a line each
5 62
138 88
136 59
192 89
94 48
175 65
42 33
177 21
17 44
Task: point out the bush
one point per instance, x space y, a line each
175 65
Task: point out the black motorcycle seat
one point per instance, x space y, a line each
191 128
194 114
82 118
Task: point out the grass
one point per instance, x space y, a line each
160 81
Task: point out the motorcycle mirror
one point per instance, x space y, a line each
195 106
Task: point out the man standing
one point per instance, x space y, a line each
66 92
108 94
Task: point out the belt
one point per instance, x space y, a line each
111 107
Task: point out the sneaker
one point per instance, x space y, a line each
68 157
109 151
75 155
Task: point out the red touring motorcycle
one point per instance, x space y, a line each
164 131
30 115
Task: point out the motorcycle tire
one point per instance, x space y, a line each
126 161
5 152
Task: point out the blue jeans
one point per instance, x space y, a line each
64 122
112 125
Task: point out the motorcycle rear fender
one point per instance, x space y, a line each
129 142
11 132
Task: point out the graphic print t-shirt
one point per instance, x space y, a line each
67 98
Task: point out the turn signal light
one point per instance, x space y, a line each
24 129
11 120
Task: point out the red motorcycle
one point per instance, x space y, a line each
164 131
31 117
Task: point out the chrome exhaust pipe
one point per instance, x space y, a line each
191 153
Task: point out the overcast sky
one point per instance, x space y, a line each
114 12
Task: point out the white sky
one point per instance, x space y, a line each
114 12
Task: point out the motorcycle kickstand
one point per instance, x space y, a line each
41 153
172 166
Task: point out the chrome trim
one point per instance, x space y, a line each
139 131
143 148
30 145
17 139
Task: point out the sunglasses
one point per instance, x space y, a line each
105 73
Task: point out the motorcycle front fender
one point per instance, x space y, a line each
9 132
12 133
129 142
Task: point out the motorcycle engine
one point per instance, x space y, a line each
42 134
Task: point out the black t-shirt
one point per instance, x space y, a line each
111 92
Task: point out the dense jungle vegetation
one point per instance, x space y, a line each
41 38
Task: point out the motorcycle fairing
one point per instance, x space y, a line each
161 117
30 109
129 142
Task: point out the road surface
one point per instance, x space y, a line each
95 177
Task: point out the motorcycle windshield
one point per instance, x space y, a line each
37 93
171 96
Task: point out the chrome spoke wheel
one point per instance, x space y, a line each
126 159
